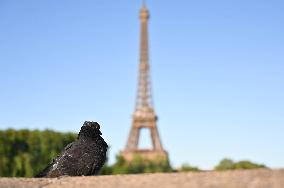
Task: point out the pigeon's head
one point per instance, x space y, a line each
90 129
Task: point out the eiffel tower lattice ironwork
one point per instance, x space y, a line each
144 115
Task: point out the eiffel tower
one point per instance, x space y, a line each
144 115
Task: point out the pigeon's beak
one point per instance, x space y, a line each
100 133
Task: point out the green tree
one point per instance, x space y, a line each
228 164
225 164
139 165
188 168
120 166
23 153
248 165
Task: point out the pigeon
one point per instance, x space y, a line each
83 157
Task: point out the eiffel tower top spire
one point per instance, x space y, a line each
143 3
144 103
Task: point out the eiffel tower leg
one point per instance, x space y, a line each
132 142
157 145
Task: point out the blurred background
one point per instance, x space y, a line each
216 66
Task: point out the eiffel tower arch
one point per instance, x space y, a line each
144 115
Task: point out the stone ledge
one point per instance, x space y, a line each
229 179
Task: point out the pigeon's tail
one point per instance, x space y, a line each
43 173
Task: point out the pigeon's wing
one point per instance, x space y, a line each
97 165
91 159
98 160
85 164
49 167
68 147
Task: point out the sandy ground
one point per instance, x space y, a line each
229 179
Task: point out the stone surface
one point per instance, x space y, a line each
229 179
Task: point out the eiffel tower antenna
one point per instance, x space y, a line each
144 115
144 3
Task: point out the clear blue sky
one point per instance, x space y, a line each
217 70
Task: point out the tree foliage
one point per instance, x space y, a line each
23 153
228 164
188 168
137 165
